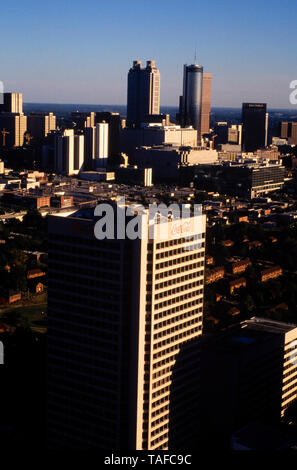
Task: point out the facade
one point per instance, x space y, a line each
167 160
12 103
114 125
191 100
240 266
213 275
134 175
83 119
79 152
68 152
289 131
156 134
35 202
60 200
13 128
143 92
64 152
254 126
236 284
41 124
246 180
235 134
249 374
221 133
90 139
101 144
271 273
120 311
206 103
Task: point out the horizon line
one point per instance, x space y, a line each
161 106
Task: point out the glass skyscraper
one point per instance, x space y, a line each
191 101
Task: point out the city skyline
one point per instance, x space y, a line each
83 55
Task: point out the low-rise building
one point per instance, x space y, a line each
236 284
240 266
271 273
215 274
33 273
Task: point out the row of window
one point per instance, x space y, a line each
98 292
179 241
160 411
81 250
177 318
177 280
177 337
293 386
180 298
86 301
87 317
78 353
178 308
159 430
90 271
182 269
181 326
176 290
290 372
92 241
160 420
164 381
184 259
160 439
178 251
162 363
112 263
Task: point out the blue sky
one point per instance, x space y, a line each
80 51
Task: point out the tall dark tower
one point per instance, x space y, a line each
191 101
254 126
143 92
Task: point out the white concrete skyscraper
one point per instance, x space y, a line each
123 316
101 144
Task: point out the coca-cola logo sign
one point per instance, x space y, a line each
179 227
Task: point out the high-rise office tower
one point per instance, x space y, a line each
191 100
220 133
114 125
79 152
120 311
235 134
40 124
101 144
249 374
12 103
83 119
289 131
254 126
143 92
90 136
68 152
206 103
13 127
